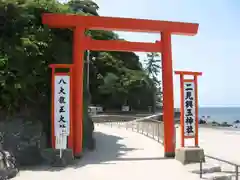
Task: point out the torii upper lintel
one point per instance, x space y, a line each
119 24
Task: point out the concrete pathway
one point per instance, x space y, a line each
120 154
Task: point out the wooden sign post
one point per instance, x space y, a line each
62 137
189 106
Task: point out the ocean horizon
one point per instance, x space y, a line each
220 114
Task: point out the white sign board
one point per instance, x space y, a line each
189 109
61 142
61 105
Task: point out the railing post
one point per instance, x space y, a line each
236 172
152 130
147 129
200 168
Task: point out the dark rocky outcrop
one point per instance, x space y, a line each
202 121
8 167
25 139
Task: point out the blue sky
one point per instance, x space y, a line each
215 50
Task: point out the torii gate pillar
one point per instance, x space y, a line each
80 24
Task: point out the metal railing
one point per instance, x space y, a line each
147 126
104 118
154 129
236 172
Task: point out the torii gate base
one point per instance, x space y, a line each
81 43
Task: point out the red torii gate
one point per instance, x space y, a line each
80 24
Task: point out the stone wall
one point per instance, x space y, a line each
25 139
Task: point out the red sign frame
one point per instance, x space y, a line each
182 81
54 73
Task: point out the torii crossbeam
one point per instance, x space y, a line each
79 24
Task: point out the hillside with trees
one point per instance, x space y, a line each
27 48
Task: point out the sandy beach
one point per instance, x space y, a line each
219 142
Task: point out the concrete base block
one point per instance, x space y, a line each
52 156
78 156
187 155
206 168
169 155
218 176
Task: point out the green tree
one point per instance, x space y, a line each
85 6
113 61
27 48
153 68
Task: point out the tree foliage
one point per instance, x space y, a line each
153 70
153 66
85 6
27 48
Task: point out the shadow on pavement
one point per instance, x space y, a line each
108 148
108 151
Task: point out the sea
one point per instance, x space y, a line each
220 114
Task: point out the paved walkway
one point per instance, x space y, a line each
120 155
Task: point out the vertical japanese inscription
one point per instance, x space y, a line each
189 109
62 105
